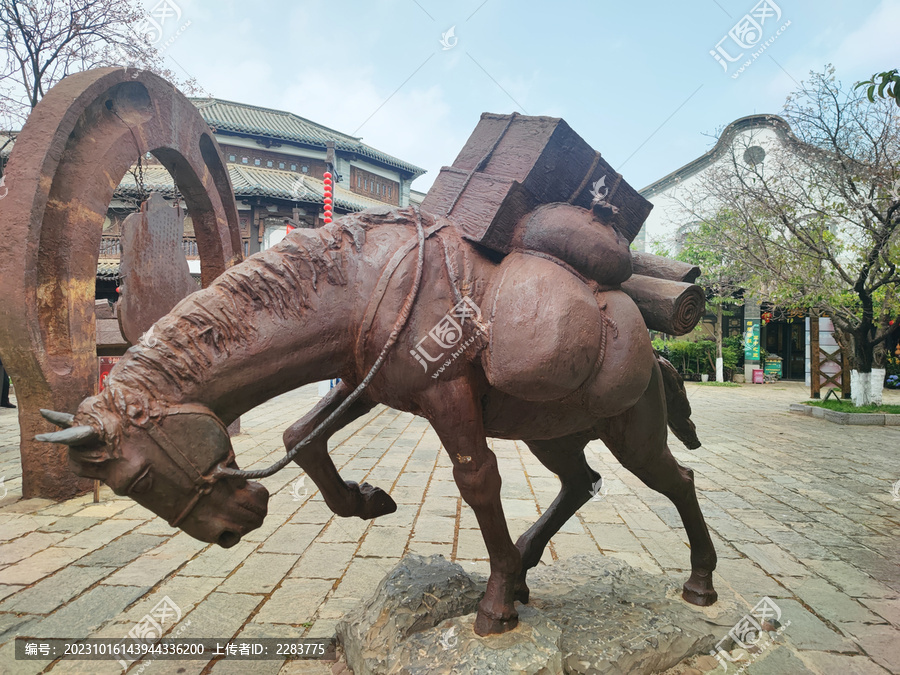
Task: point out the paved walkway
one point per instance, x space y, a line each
801 510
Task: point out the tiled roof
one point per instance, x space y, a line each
252 181
278 124
108 270
249 119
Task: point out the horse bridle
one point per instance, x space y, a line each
203 475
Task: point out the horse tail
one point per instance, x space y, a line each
677 405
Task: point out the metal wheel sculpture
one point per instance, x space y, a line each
68 159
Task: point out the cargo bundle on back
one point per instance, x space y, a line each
514 186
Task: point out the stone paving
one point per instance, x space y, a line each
801 510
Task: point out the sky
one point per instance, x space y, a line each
636 80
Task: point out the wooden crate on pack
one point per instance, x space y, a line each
514 163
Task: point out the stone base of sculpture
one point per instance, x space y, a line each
587 614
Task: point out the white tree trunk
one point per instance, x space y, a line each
876 385
720 373
861 388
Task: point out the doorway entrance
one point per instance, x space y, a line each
787 339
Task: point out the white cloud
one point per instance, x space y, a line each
873 46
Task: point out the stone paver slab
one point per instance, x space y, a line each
259 573
295 602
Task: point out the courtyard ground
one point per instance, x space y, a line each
801 510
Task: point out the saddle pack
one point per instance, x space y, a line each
531 184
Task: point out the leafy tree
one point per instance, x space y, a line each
45 40
815 224
721 277
887 83
721 274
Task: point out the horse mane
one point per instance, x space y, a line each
176 353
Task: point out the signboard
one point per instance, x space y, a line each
106 365
773 368
751 339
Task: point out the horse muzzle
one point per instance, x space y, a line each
249 506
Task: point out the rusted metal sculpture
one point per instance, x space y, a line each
520 336
70 156
154 272
549 358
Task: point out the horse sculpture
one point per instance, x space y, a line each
544 356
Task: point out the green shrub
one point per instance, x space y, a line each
697 358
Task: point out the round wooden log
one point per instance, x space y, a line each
576 236
663 268
671 307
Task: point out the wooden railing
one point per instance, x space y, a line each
189 246
110 247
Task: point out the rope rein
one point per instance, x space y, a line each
399 325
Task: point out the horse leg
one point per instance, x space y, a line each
565 458
637 438
454 410
344 498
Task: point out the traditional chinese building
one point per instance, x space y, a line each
774 330
276 161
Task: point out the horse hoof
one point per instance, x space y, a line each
699 592
376 502
486 625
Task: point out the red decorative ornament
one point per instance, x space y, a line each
290 228
327 197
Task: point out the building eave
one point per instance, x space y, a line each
316 135
726 138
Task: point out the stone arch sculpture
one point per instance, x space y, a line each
68 159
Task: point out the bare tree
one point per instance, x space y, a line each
815 224
45 40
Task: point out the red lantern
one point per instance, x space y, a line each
327 175
290 228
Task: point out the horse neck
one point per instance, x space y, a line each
282 319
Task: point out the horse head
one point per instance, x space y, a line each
171 464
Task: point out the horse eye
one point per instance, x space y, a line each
142 483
